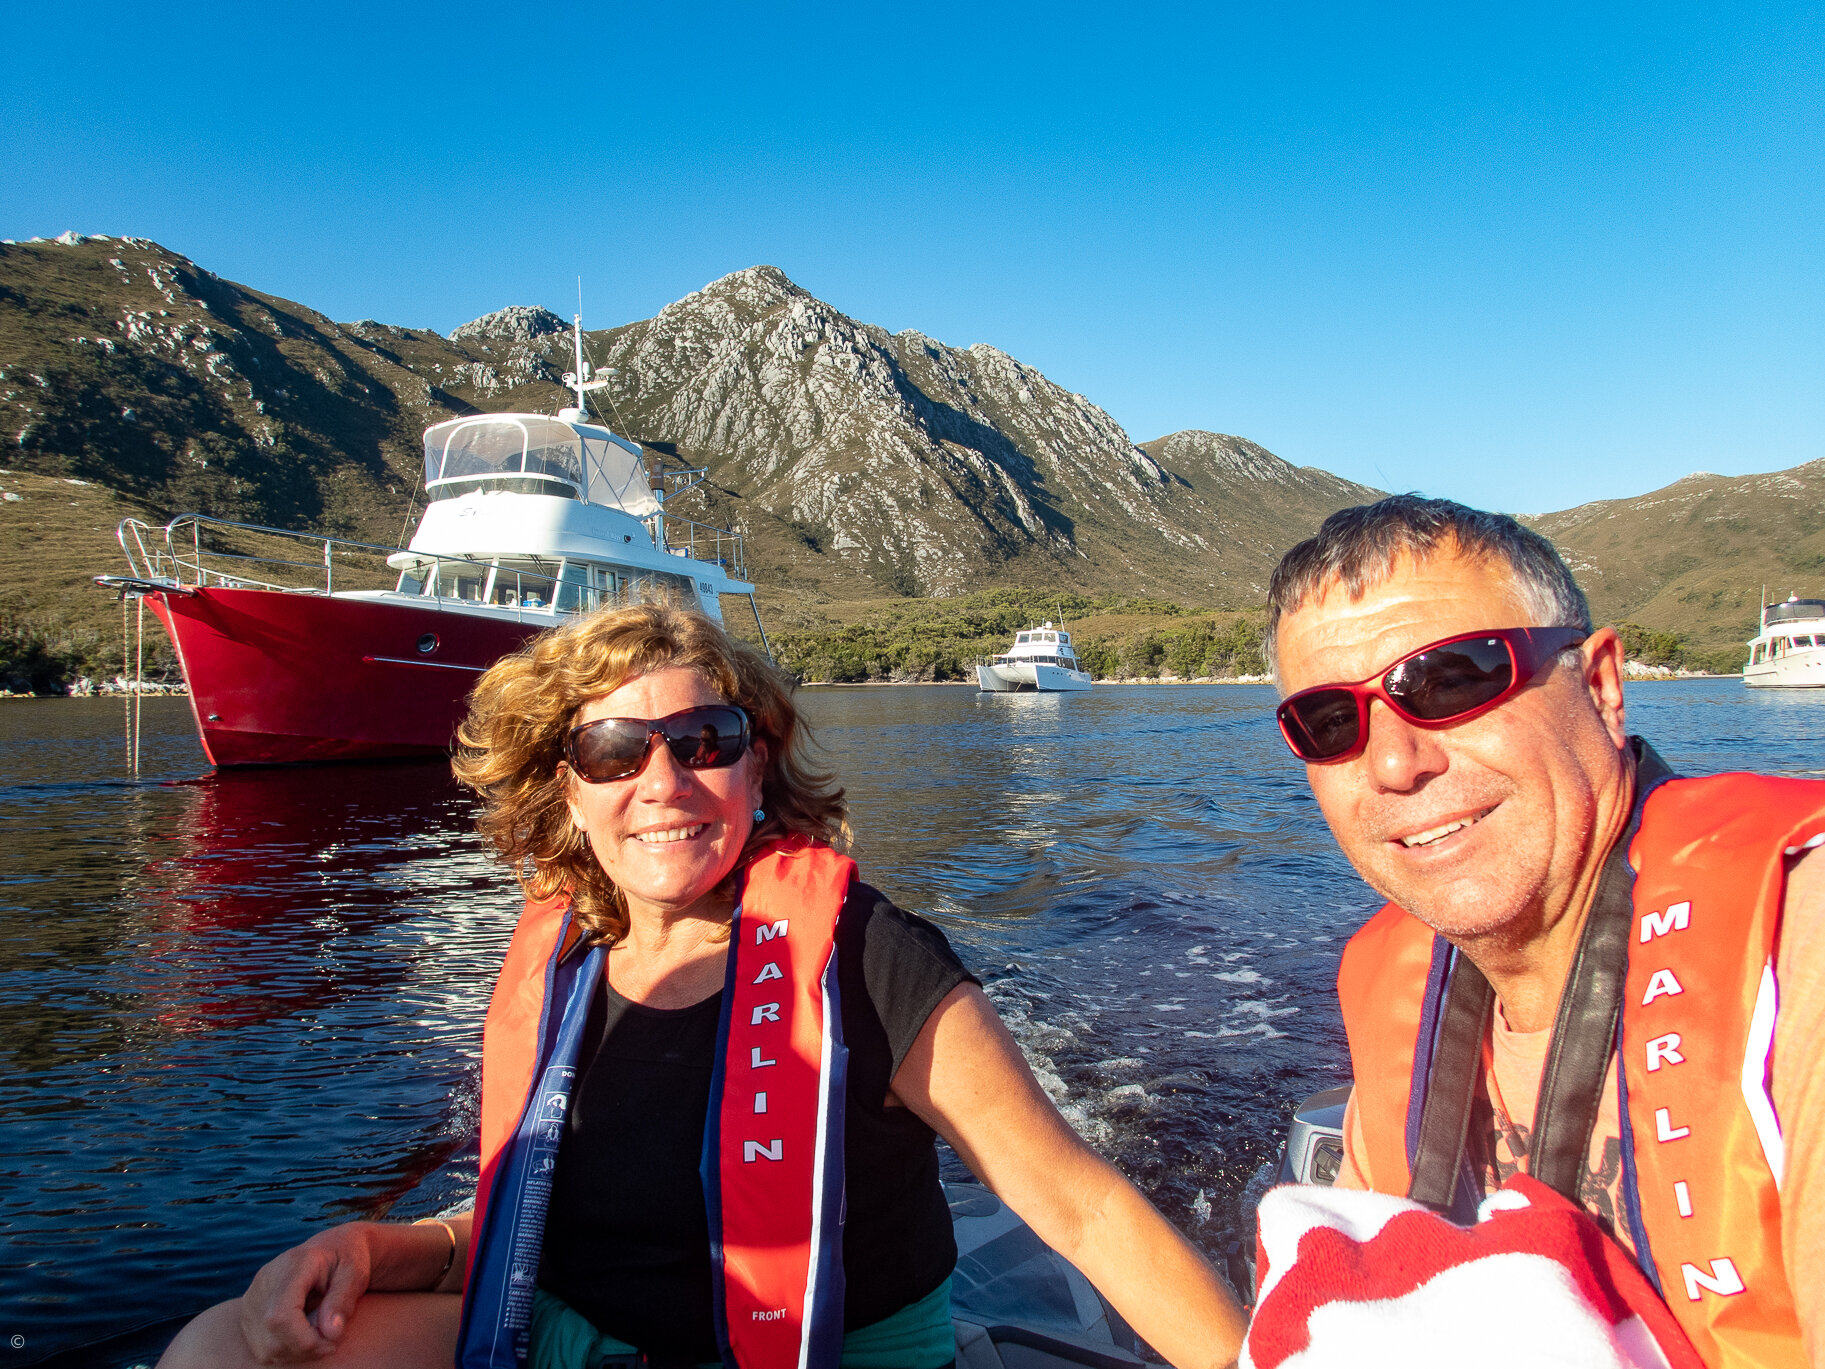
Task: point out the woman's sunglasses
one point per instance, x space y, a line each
705 738
1445 682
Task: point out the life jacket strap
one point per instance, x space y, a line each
1578 1055
1438 1159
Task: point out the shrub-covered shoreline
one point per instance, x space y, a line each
40 655
1673 651
937 641
930 641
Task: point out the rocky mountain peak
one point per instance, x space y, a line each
765 278
1221 451
516 323
740 297
857 462
914 463
71 238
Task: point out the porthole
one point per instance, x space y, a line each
427 644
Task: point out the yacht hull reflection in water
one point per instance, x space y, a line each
255 998
532 519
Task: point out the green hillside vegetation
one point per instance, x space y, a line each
1676 652
1689 563
127 365
56 625
1117 637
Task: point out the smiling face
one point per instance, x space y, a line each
668 835
1484 827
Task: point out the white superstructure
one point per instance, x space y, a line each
558 515
1041 660
1789 651
531 512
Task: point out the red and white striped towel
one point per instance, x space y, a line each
1357 1279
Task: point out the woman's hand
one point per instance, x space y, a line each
967 1078
299 1304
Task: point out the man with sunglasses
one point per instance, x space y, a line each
1589 970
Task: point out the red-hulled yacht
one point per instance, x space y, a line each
531 518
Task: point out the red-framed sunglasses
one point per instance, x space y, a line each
1442 683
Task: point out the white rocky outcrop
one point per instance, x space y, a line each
516 323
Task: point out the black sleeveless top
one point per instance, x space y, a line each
627 1240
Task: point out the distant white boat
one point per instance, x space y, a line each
1040 661
1789 651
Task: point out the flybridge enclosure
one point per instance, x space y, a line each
533 454
1793 610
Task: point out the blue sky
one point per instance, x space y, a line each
1521 256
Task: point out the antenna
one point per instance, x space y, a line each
578 378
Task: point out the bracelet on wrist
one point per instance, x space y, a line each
450 1258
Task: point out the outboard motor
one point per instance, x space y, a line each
1313 1152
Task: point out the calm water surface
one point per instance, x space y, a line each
236 1008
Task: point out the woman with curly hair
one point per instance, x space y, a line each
714 1070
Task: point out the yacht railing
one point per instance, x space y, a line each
686 536
185 552
672 483
703 542
198 550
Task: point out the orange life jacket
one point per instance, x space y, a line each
1701 1142
773 1151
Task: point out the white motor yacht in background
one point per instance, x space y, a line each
1041 660
1789 651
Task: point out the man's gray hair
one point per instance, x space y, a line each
1360 545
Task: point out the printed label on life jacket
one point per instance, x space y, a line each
497 1307
773 1163
551 1105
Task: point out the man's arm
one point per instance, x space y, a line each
1799 1093
967 1079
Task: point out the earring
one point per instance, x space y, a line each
760 815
